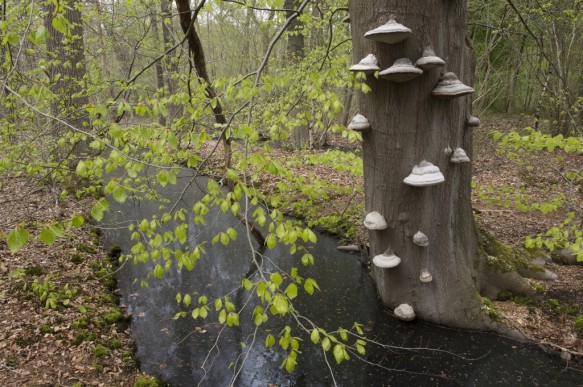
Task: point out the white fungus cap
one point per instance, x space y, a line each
386 260
401 71
459 156
424 174
405 312
375 221
359 123
390 33
368 64
473 121
425 276
450 86
420 239
429 60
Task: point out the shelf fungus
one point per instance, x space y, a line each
405 312
425 276
429 60
390 33
368 64
459 156
386 260
420 239
424 174
473 121
401 71
375 221
359 123
449 86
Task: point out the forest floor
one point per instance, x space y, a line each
86 340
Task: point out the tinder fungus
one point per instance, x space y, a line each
359 123
420 239
459 156
401 71
429 60
386 260
375 221
405 312
390 33
368 64
425 276
450 86
424 174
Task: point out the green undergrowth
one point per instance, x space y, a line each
503 258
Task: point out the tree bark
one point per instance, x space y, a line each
410 125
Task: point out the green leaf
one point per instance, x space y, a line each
223 316
99 208
17 239
77 221
159 272
291 291
326 344
315 336
47 236
338 353
269 341
119 194
187 299
59 23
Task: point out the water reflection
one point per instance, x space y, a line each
188 352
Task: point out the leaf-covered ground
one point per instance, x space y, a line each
87 342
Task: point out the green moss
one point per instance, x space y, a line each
81 322
99 323
77 259
146 381
489 308
498 255
86 248
114 344
130 359
46 329
113 316
579 323
100 351
536 286
34 271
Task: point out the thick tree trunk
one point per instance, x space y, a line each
410 125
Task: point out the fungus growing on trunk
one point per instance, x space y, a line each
473 121
359 123
429 60
368 64
424 174
386 260
450 86
375 221
459 156
401 71
390 33
425 276
420 239
405 312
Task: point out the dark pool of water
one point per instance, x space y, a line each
187 352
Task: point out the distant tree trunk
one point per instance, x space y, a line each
410 125
67 69
295 50
158 65
171 61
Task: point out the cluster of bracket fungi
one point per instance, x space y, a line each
425 173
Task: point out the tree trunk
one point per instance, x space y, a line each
171 60
410 125
295 50
158 65
67 69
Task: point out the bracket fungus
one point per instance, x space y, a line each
404 312
473 121
429 60
424 174
449 86
375 221
420 239
359 123
401 71
390 33
368 64
425 276
459 156
386 260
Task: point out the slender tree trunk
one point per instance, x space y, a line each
410 125
67 70
158 65
171 61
